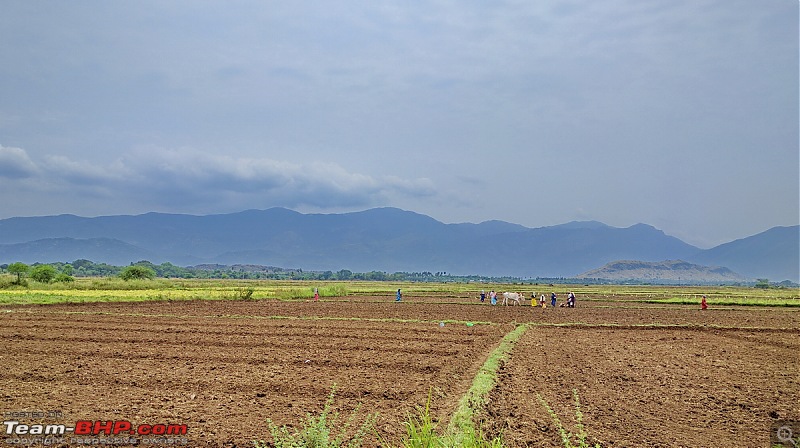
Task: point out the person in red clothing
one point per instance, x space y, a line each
703 304
316 294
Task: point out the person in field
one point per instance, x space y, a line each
571 300
399 296
493 297
483 296
553 299
316 294
703 304
542 301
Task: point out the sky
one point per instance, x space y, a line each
681 114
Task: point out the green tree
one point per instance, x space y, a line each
19 269
43 273
137 272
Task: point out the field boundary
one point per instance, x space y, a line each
461 422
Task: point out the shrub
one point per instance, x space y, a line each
43 273
137 272
64 278
246 293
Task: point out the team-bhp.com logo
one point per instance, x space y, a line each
95 428
87 432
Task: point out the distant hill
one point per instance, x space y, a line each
49 250
774 254
380 239
677 271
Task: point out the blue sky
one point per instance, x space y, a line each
678 114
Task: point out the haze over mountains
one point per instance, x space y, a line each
381 239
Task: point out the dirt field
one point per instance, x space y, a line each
646 376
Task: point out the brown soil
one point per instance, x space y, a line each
648 387
685 378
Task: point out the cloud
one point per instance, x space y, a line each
15 163
77 173
200 181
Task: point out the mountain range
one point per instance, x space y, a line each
381 239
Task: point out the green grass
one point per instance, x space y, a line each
421 432
323 431
569 439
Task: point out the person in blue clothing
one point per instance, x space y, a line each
483 296
493 297
399 296
553 299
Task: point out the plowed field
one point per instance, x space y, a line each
646 376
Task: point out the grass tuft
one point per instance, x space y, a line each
568 437
323 431
421 433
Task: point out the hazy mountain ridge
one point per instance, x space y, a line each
773 254
383 239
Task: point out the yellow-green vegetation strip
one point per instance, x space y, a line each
461 424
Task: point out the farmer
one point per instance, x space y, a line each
399 296
316 294
703 304
571 300
493 297
483 296
553 299
542 301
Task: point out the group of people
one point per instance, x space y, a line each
569 303
492 297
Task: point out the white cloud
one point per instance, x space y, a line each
15 163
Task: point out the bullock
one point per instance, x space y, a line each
513 297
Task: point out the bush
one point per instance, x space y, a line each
64 278
246 293
43 273
137 272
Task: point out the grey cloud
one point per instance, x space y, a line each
201 180
463 110
15 163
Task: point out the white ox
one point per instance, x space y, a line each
514 297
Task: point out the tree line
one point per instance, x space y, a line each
66 272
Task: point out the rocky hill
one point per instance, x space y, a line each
676 271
